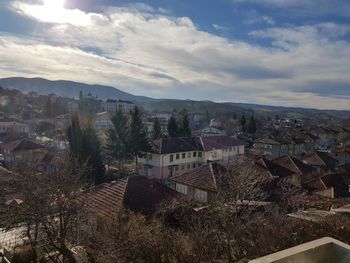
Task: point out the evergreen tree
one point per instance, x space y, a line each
243 122
173 129
81 97
252 125
49 108
185 129
85 148
157 130
117 144
138 139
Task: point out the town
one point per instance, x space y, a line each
85 179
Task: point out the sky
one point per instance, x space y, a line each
274 52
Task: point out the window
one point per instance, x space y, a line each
171 158
200 196
188 166
176 168
200 154
182 167
194 165
183 155
189 155
181 188
194 154
177 156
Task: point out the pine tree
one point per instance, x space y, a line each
117 144
243 122
185 129
252 125
173 129
85 148
138 139
157 130
49 108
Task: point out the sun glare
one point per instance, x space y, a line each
53 11
54 4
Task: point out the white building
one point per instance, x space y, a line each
103 121
175 156
8 127
113 106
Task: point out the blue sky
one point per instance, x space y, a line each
277 52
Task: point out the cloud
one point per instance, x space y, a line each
309 8
151 53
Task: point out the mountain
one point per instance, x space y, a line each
66 88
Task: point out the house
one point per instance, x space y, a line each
272 147
329 185
212 131
113 106
137 194
199 184
24 151
342 154
301 172
322 161
171 156
222 149
11 127
174 156
103 121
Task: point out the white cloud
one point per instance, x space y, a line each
153 54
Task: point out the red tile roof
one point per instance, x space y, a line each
202 177
137 193
219 142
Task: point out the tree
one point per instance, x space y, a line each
138 139
49 108
173 129
185 129
50 208
117 143
81 97
243 122
252 125
157 130
91 149
85 147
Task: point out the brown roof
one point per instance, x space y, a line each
203 177
24 144
320 159
137 193
341 150
219 142
274 168
294 164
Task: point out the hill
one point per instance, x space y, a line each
66 88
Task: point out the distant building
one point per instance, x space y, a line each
113 106
212 131
272 148
73 106
341 154
10 127
24 151
103 121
